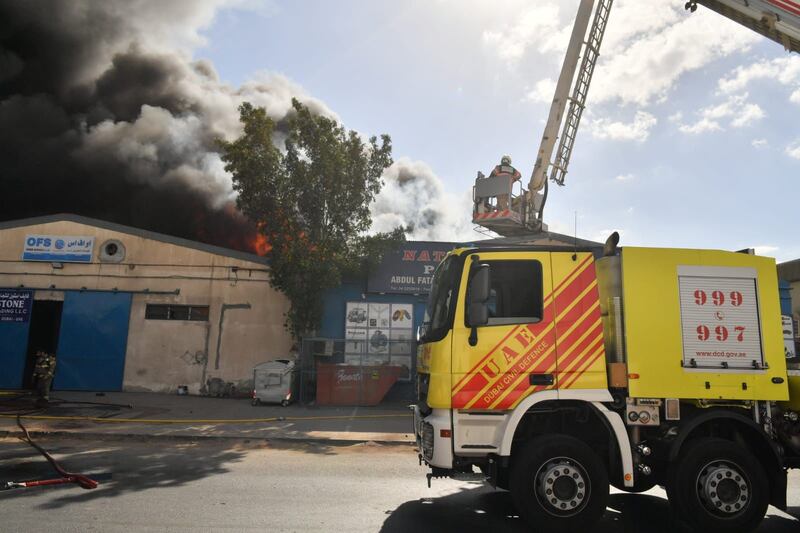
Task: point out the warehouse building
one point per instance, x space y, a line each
127 309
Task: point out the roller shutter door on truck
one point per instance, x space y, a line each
720 317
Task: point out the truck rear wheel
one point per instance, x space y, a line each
718 486
559 484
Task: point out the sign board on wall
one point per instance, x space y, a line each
356 315
59 248
719 317
15 305
379 332
379 315
408 270
788 337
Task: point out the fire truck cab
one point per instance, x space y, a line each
555 372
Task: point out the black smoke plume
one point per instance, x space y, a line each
103 113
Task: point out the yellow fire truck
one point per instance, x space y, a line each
554 373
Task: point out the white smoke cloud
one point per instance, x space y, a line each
542 91
649 46
637 130
783 70
413 196
736 110
793 149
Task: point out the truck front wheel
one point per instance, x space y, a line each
718 486
559 484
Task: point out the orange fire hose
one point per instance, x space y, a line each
66 477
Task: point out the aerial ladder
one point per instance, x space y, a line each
522 212
501 204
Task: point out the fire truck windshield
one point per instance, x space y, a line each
442 300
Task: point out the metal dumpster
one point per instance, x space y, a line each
342 384
273 382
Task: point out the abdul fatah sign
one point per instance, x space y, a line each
410 269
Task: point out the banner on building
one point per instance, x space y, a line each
379 333
789 348
58 248
408 270
15 305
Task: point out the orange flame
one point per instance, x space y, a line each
260 244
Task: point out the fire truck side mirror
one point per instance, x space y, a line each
478 295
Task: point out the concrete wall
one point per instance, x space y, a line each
246 314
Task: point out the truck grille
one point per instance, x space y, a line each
426 431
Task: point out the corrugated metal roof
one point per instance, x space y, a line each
145 234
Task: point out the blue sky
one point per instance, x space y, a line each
692 136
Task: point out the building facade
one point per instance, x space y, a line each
126 309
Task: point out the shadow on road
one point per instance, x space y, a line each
482 509
474 509
133 466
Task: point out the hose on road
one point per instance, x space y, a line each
66 477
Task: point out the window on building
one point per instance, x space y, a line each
515 296
176 312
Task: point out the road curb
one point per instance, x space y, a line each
196 438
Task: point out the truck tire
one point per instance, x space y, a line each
559 484
718 486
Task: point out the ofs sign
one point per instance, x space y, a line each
15 305
409 269
61 248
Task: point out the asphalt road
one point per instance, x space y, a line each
220 485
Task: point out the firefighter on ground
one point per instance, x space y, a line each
43 372
505 169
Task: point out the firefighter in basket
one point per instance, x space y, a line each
505 169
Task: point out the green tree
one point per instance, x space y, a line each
311 201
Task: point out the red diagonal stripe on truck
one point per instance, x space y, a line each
546 311
571 341
597 354
587 349
586 344
475 382
786 5
567 344
480 382
522 367
491 352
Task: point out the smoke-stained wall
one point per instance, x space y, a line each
244 325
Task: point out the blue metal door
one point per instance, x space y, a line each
13 349
93 341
